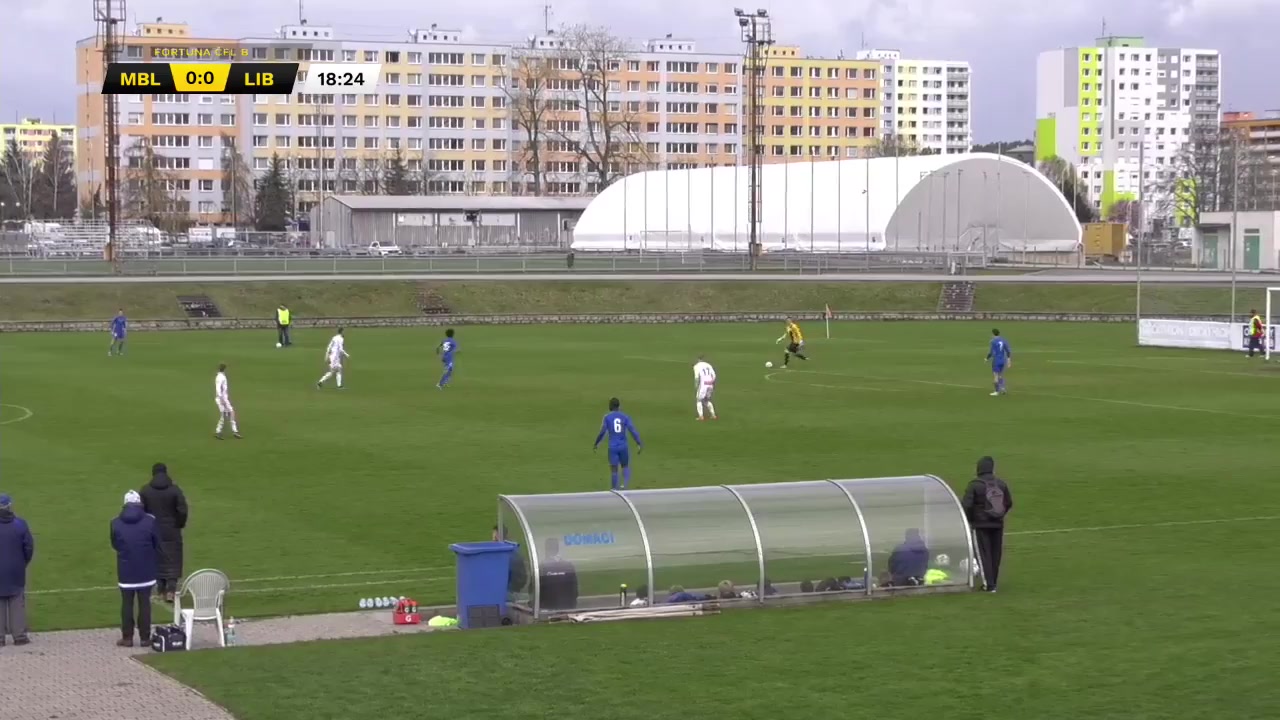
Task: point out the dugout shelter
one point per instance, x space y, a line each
773 542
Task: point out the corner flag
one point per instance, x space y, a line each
828 314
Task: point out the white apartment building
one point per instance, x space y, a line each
1096 107
925 102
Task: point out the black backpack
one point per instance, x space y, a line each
997 504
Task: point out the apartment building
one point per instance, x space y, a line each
1096 106
824 108
926 104
1260 130
445 105
670 105
32 136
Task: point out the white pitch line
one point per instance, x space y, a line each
1033 393
1141 526
1148 368
277 578
29 413
769 377
390 577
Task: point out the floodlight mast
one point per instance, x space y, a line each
757 34
109 15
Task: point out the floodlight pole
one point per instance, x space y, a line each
757 34
1235 220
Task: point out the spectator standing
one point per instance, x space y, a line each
987 501
518 571
133 537
164 500
283 322
17 547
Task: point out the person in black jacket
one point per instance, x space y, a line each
987 501
133 537
163 500
518 572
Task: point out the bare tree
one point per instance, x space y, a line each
237 184
591 58
1195 182
531 75
370 176
898 146
18 174
150 190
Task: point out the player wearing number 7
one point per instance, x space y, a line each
617 425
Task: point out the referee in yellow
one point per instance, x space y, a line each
282 326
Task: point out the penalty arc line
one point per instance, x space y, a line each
29 413
769 377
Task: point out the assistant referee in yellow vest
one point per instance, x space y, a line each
1256 334
282 326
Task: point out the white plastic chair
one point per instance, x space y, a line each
208 588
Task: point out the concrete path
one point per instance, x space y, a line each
82 675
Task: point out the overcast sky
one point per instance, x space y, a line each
999 37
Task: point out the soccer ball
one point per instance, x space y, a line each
278 345
944 560
768 364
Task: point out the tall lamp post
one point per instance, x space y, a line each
757 34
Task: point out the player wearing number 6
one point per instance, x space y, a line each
617 425
704 377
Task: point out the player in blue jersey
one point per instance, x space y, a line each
617 425
119 328
1001 357
445 350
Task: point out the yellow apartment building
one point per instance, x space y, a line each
32 136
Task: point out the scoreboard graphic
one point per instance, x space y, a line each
239 78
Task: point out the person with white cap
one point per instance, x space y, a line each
17 547
137 546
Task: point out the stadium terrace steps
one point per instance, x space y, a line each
956 297
199 306
431 302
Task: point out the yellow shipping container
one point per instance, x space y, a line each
1105 239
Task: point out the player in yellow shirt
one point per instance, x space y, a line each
795 342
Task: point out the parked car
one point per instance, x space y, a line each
377 249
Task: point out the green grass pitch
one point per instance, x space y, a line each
1137 584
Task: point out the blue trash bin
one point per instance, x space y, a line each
483 570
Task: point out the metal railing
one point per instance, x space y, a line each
316 263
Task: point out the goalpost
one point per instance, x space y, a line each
1269 326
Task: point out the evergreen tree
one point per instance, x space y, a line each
55 184
271 205
395 176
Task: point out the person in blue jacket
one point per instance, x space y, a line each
17 547
137 546
909 561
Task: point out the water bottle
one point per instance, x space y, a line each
231 632
622 595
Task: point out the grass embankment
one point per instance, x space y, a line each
158 301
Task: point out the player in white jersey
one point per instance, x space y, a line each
705 378
222 397
334 355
